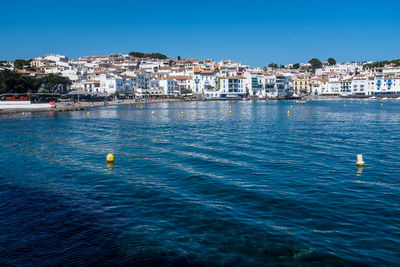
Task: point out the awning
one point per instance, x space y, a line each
79 92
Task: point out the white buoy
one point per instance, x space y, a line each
360 161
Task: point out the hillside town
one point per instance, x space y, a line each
139 75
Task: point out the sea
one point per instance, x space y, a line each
215 183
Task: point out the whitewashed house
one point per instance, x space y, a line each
386 85
110 84
232 87
205 79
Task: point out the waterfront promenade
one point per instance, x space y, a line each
73 106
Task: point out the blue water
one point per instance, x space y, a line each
257 187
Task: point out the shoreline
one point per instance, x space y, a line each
64 107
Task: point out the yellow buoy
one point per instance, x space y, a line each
291 106
230 107
230 112
88 113
360 102
23 113
288 112
360 161
181 112
110 158
381 104
344 104
141 107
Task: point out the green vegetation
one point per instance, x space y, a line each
331 61
21 63
53 82
179 57
150 55
379 64
185 91
30 68
13 82
296 66
315 63
273 65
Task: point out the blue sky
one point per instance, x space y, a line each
252 32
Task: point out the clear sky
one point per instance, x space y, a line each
252 32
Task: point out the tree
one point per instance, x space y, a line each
296 66
282 66
30 68
331 61
315 63
13 82
273 65
151 55
137 54
157 56
179 57
185 91
53 83
378 64
20 63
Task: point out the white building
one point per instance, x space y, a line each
110 84
278 86
385 85
205 79
232 87
168 86
362 86
55 58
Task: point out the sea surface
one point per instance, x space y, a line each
204 187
